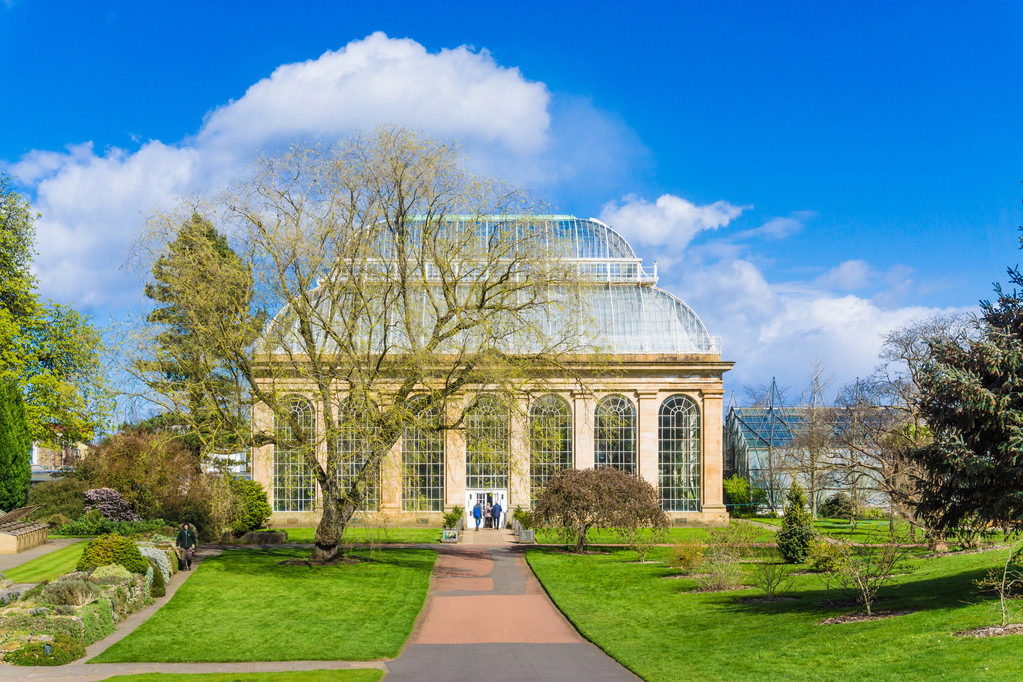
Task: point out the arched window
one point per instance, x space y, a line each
422 461
615 434
550 440
293 485
678 454
486 444
355 434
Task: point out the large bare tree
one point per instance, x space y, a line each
811 454
393 295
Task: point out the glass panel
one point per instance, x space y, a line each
422 460
550 442
486 444
678 454
293 485
353 449
615 434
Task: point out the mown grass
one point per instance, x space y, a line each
597 536
48 566
661 630
245 606
362 675
369 534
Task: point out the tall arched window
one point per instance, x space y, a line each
678 454
550 440
294 488
486 444
422 462
615 434
355 433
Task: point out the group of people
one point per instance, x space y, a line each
489 514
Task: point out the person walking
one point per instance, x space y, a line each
487 516
186 541
495 512
477 514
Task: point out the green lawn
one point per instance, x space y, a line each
380 535
660 630
597 536
362 675
244 606
48 566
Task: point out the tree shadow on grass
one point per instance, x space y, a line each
267 561
929 593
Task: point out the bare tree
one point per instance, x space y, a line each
811 455
878 419
394 297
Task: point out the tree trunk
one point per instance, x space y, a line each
332 526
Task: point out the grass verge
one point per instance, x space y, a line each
361 675
661 630
245 606
48 566
382 536
597 536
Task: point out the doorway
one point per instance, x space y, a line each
473 496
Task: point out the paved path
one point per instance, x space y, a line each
488 618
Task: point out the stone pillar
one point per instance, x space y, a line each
261 459
646 428
713 457
390 481
583 405
454 456
518 458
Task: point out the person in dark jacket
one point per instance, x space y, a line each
186 541
496 513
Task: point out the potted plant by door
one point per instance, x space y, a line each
524 520
452 524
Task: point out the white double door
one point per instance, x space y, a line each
472 496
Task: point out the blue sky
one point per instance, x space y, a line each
808 176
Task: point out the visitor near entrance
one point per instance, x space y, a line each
477 513
489 516
186 541
496 513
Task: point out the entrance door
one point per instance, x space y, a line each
483 497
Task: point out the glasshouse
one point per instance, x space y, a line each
652 406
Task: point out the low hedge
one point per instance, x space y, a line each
112 549
41 621
97 620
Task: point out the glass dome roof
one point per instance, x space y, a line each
620 309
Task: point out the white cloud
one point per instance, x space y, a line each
849 276
670 220
93 203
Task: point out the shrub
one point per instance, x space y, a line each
97 619
40 620
112 549
111 574
687 556
825 557
70 592
94 523
734 540
796 533
64 496
159 586
159 558
838 506
63 650
254 506
770 577
865 569
150 577
56 520
524 517
721 574
873 514
452 518
576 500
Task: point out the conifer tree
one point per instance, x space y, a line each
972 400
190 370
796 534
15 448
